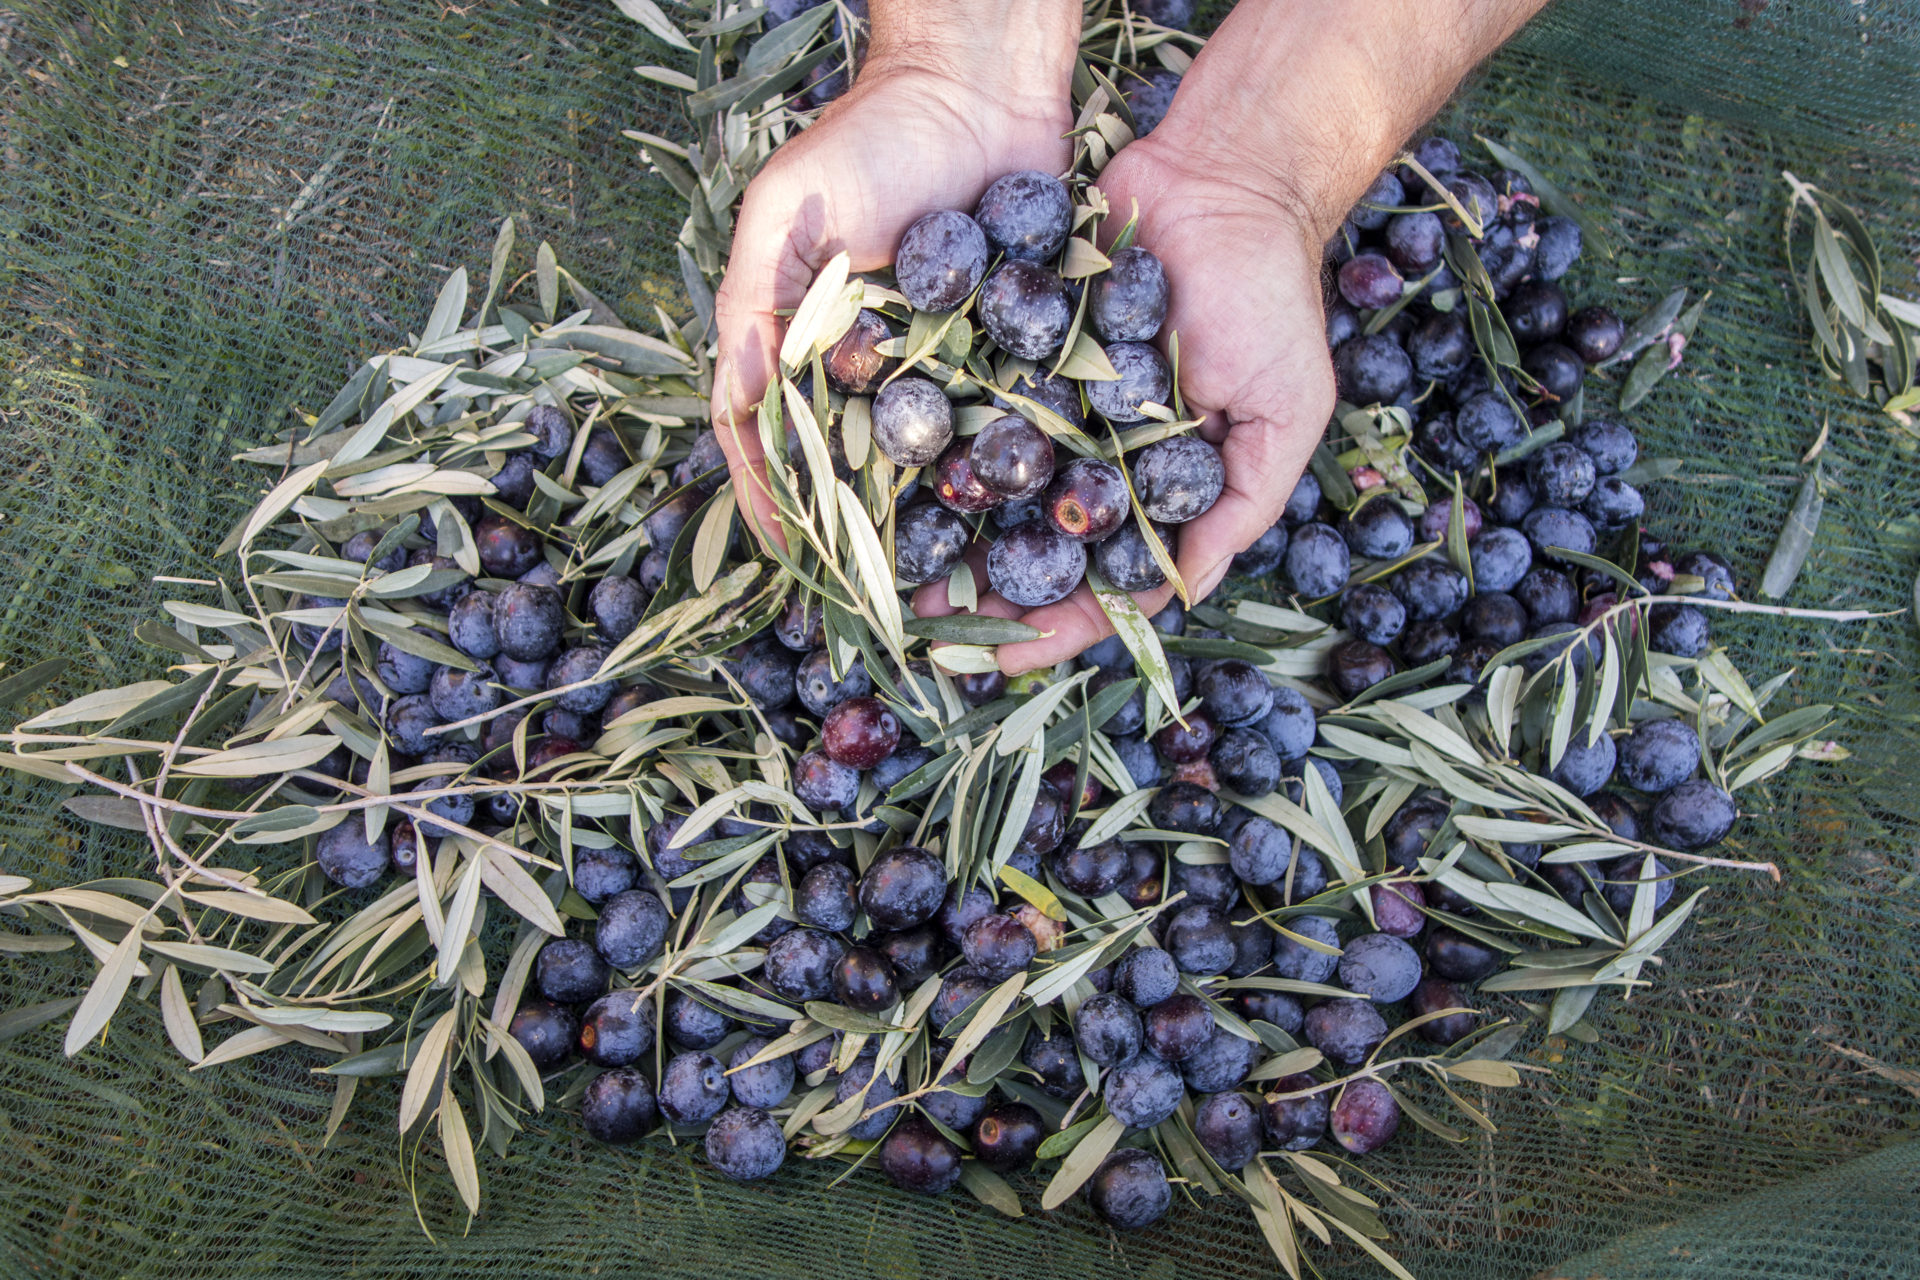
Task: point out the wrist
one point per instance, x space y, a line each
1020 53
1188 177
1308 102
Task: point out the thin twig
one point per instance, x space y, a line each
266 618
1782 611
1610 836
158 828
1377 1070
152 819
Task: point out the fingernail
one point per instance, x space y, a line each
1012 666
1214 578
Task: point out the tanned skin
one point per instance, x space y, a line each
1287 115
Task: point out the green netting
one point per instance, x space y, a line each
1856 1220
1831 70
210 211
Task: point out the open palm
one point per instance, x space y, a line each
1246 306
902 144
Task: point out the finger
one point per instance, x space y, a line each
765 275
930 600
1264 458
739 436
994 605
1071 625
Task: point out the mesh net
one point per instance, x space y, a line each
211 211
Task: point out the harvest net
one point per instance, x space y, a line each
211 216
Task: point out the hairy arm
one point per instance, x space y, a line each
1313 99
1020 48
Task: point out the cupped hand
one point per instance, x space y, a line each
1244 264
905 141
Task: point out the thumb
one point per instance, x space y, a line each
766 275
1264 458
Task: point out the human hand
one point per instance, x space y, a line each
939 111
1244 264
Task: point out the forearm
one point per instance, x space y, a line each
1315 99
1019 48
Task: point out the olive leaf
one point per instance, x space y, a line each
1081 1163
513 885
1034 892
1082 259
987 1015
965 659
33 679
18 1022
243 1045
1271 1212
824 315
1660 358
1796 538
104 994
1085 361
875 570
457 1143
458 926
784 42
1495 1075
1018 806
1439 188
710 541
1137 633
971 629
1552 199
990 1189
211 957
1650 326
447 309
21 944
1287 1064
283 756
1861 334
424 1075
1569 1007
1020 729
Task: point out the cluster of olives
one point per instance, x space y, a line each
1052 519
867 939
1568 496
868 936
520 628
